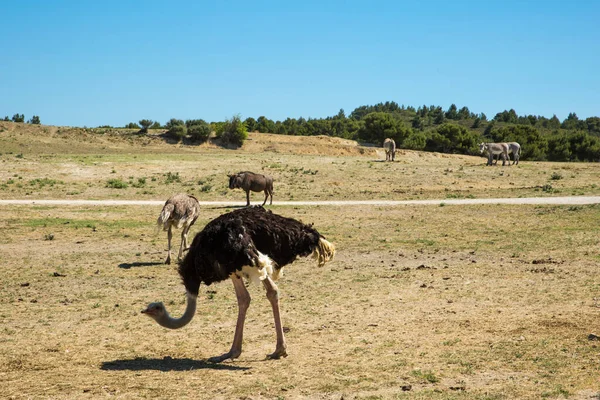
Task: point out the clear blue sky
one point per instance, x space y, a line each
112 62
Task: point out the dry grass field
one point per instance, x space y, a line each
421 302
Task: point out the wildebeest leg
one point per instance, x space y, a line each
490 158
243 299
504 157
169 237
273 296
247 198
266 196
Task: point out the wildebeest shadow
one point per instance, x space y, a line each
166 364
139 264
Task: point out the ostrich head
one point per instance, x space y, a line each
159 313
155 311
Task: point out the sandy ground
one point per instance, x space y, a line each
529 200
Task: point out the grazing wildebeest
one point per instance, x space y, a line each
390 149
515 149
250 181
495 148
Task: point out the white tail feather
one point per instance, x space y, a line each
324 252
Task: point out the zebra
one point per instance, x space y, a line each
390 149
515 149
495 148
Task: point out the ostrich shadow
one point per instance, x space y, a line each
166 364
139 264
266 206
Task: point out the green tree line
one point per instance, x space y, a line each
426 128
455 130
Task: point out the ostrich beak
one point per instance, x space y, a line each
147 311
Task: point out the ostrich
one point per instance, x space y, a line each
180 210
249 243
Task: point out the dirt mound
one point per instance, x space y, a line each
19 137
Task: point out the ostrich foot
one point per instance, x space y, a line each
277 354
168 260
231 354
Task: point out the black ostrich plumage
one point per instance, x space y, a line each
230 242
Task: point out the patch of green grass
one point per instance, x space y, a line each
116 184
41 182
425 376
206 187
171 177
557 391
140 183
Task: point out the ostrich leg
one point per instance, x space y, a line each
243 298
169 237
273 296
184 233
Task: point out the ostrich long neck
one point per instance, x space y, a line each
175 323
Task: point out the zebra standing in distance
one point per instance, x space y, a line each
390 149
494 148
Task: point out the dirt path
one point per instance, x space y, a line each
528 200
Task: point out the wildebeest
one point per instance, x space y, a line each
495 148
390 149
250 181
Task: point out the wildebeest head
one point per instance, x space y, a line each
235 181
483 147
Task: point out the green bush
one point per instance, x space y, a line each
116 184
145 124
233 131
415 141
174 122
177 132
378 126
199 132
191 122
171 177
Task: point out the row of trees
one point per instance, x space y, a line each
455 130
232 131
21 118
562 142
